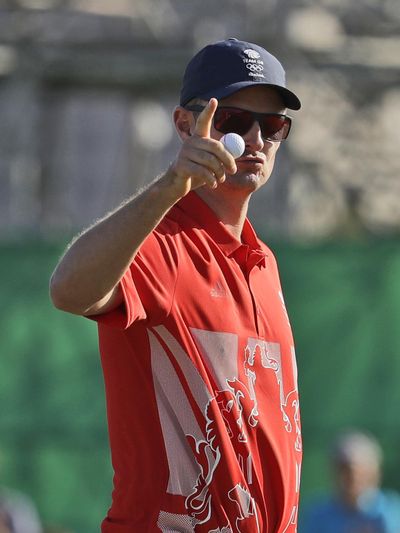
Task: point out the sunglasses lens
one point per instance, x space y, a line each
275 127
233 121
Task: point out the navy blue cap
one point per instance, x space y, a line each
222 68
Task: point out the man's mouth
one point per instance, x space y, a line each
251 159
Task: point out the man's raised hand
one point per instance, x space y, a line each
201 160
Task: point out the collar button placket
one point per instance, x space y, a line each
258 318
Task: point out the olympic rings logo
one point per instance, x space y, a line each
255 68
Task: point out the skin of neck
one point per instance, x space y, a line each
232 210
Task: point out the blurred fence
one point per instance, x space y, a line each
344 300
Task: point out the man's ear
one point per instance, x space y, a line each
184 122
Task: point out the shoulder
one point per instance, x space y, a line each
320 509
163 237
389 507
391 500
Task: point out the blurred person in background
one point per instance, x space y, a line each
18 513
197 350
5 522
359 504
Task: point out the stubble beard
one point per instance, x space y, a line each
247 181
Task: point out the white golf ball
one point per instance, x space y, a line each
234 144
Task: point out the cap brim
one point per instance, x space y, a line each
290 100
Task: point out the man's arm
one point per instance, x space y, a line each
86 279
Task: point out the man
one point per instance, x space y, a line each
196 346
359 505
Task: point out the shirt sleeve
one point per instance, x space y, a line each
148 285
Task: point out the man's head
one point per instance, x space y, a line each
243 77
357 461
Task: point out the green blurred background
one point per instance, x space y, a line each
344 300
86 92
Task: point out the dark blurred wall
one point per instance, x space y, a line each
87 89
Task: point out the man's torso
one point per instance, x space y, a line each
202 389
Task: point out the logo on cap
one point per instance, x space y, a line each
253 63
252 53
255 68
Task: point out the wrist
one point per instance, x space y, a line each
171 187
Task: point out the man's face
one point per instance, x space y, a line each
356 476
256 164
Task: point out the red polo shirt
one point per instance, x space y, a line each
201 384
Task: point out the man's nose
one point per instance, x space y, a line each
253 138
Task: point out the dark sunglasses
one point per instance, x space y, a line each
273 126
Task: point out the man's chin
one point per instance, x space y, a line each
246 181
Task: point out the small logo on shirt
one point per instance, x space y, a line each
218 291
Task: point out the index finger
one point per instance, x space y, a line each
204 120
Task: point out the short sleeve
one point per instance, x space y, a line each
148 285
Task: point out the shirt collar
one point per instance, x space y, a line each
192 211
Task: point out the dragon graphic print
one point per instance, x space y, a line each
232 410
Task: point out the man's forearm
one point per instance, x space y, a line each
96 260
